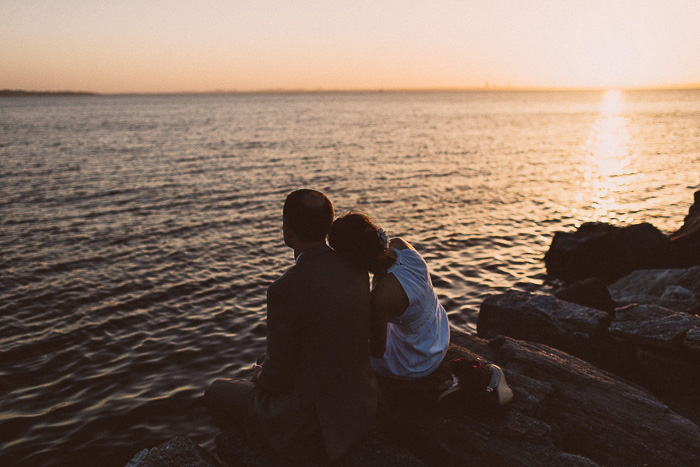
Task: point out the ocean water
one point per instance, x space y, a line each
138 234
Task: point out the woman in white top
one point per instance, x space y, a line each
410 332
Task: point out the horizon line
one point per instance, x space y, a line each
492 88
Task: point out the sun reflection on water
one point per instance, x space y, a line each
608 164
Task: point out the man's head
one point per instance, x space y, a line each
307 217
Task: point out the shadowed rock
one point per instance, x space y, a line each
649 345
374 451
565 412
675 289
692 340
606 252
609 252
177 452
686 240
653 326
590 293
543 318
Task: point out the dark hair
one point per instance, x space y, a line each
309 213
354 236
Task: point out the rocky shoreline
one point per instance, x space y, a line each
605 372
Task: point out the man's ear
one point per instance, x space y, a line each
290 238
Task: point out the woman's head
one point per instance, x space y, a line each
355 236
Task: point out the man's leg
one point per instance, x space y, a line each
230 403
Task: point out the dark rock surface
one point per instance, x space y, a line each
591 293
607 252
649 345
692 340
565 412
375 451
653 326
177 452
543 318
675 289
686 240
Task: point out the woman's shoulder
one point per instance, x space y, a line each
400 244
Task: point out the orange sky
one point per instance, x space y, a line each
209 45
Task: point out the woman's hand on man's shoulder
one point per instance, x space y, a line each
400 244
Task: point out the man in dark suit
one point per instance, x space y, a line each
314 390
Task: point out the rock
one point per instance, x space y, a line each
692 340
610 252
138 458
607 252
686 240
634 346
374 451
177 452
676 289
565 412
590 293
671 373
653 326
543 318
677 293
665 348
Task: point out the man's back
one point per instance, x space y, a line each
318 346
315 390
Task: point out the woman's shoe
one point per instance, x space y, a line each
450 390
498 386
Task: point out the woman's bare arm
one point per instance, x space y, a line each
388 299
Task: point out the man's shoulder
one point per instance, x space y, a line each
323 264
290 276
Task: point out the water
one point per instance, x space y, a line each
139 234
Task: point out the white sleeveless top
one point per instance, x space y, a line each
417 341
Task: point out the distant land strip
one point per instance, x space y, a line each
492 88
19 92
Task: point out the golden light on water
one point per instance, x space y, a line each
613 103
608 162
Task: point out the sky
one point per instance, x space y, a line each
124 46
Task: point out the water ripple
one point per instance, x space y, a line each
139 233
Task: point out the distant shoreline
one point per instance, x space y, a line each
19 92
25 93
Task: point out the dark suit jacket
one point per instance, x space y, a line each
317 363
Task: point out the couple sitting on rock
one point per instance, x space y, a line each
313 394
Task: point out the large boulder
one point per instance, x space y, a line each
652 346
675 289
591 293
607 252
665 344
653 326
565 412
543 318
686 241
